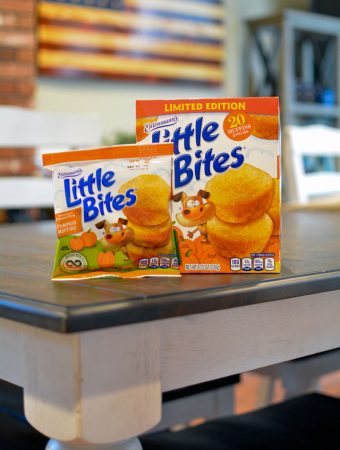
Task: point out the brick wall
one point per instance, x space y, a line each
17 73
17 52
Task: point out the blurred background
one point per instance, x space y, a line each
81 64
71 71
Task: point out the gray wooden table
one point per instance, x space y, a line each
94 356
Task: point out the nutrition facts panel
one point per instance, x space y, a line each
257 263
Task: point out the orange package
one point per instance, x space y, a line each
226 180
112 210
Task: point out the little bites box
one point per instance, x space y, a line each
226 180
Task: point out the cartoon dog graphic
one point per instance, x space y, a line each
117 235
195 212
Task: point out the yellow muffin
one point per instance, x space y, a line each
153 197
136 252
274 209
151 236
241 195
265 127
239 240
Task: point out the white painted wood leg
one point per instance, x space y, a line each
131 444
97 387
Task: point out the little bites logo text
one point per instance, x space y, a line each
194 153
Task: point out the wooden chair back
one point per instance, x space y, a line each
314 141
22 128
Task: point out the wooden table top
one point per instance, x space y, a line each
311 264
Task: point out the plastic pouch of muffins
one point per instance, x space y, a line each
112 208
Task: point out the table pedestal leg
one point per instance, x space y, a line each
131 444
97 387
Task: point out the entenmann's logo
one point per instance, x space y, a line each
162 123
72 174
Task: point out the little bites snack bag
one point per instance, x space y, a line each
112 209
226 180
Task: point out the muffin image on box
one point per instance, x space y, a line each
149 218
151 236
153 196
265 126
230 239
247 202
241 195
136 252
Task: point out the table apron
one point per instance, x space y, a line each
206 346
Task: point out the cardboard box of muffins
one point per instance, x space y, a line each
225 181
